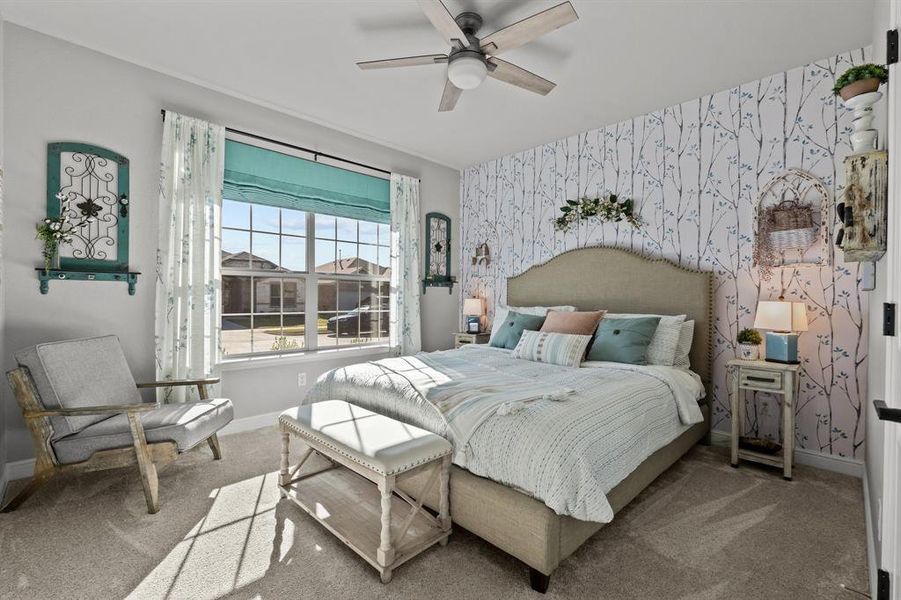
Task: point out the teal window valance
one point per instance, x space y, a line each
261 176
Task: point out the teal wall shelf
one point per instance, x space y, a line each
45 277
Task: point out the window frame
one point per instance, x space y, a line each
310 279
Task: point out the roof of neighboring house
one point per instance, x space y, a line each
352 266
344 266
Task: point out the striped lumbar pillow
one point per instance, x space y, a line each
555 348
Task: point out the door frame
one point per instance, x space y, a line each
891 490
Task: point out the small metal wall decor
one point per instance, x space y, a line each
482 255
863 211
792 226
89 185
438 254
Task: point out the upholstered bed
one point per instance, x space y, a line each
518 516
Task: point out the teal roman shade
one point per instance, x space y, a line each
262 176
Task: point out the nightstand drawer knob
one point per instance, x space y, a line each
755 378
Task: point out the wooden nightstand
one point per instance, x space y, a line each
461 339
775 378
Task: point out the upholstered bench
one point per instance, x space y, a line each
366 517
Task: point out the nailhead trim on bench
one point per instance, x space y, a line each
287 423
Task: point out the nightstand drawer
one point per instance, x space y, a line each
759 379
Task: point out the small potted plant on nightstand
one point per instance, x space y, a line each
749 341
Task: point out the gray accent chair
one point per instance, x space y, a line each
85 413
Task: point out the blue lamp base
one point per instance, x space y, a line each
782 348
473 324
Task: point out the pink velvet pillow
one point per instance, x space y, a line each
578 323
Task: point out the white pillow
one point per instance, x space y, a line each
686 337
662 349
501 310
563 349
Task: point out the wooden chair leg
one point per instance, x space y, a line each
149 477
213 441
37 481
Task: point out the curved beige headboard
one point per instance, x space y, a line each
622 281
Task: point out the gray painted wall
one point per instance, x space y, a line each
2 277
55 91
876 368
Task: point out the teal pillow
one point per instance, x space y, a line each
624 340
511 330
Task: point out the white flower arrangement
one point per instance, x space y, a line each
56 231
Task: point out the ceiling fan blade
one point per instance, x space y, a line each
443 21
510 73
529 29
406 61
449 97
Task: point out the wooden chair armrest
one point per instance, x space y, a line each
92 410
176 382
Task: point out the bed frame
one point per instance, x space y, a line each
589 278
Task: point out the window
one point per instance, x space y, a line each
295 281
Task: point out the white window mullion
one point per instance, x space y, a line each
311 330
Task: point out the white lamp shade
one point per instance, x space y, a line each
777 315
467 72
472 307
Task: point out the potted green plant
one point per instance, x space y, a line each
749 341
860 80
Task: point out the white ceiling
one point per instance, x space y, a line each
622 58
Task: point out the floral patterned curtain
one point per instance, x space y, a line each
188 322
404 334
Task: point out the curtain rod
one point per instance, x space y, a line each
316 154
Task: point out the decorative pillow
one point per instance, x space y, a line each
662 350
624 340
501 310
686 337
553 348
511 329
576 323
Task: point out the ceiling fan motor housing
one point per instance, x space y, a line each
467 67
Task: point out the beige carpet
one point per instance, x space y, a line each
703 530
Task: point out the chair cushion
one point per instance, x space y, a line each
377 442
79 373
185 424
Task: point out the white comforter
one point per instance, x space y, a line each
567 453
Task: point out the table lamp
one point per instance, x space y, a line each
473 308
782 319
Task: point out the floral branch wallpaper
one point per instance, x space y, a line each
695 170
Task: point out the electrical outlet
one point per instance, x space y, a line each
301 380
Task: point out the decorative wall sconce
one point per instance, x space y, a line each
864 210
89 184
482 255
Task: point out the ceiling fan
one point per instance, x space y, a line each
471 59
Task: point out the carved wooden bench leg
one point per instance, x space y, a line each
444 498
213 441
149 477
37 481
385 553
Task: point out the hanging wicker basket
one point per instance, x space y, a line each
790 225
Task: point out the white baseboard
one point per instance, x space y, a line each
828 462
22 469
251 423
3 482
872 567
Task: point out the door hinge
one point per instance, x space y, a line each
888 318
882 585
891 46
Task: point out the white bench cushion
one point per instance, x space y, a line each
377 442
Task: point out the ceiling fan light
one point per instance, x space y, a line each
467 72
